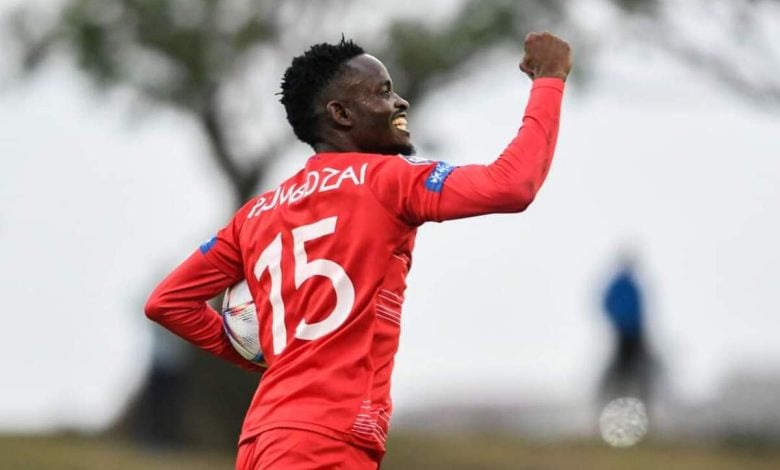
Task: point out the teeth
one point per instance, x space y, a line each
400 123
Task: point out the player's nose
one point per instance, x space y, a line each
401 103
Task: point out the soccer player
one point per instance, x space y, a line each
326 253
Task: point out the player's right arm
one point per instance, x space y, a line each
440 192
511 182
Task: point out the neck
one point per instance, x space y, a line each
333 142
323 147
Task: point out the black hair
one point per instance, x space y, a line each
306 78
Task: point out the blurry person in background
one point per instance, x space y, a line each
326 253
161 410
631 368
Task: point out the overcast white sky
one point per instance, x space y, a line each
95 207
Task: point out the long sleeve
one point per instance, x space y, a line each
179 303
420 190
511 182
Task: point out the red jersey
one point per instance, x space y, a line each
326 255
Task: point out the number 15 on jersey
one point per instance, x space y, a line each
243 330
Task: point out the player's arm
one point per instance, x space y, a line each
180 302
418 191
511 183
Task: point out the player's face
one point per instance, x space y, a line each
379 114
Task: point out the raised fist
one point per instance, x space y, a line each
546 55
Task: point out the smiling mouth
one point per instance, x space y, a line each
400 123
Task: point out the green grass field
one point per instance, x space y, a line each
406 451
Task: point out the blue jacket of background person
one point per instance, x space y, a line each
623 304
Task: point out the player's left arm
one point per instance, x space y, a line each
180 302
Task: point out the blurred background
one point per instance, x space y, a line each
648 266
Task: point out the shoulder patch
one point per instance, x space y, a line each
414 160
204 248
435 181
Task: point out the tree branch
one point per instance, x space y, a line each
243 179
212 125
723 68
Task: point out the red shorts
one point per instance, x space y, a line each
296 449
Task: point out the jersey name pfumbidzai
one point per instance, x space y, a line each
326 255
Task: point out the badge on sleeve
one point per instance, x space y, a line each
204 248
435 181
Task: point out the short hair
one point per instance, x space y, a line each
306 78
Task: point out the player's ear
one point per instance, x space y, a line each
339 113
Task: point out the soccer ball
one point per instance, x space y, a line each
239 319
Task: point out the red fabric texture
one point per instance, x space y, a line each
294 449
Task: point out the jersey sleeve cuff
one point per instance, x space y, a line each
549 82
